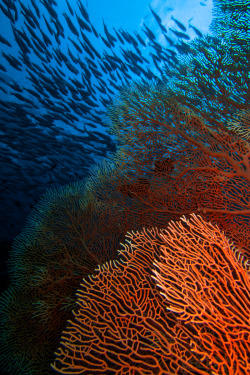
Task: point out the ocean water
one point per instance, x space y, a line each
40 112
69 75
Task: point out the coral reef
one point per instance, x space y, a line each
65 238
183 149
199 324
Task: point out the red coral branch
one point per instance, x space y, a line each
207 287
199 325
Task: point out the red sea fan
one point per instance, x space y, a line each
122 325
209 290
199 325
193 165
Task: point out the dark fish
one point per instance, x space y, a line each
72 56
71 67
3 68
183 48
169 40
31 31
105 41
48 26
87 73
30 21
119 36
76 45
140 39
158 19
23 99
90 102
116 86
46 39
114 58
89 45
148 32
198 32
57 60
102 81
15 63
163 28
101 89
83 24
111 38
4 41
91 62
96 72
125 35
133 41
70 24
49 8
107 66
145 60
179 34
37 45
172 53
7 13
95 52
36 8
15 86
78 84
34 93
61 72
16 13
138 51
85 38
70 9
31 18
94 30
9 4
155 57
113 77
88 50
179 24
156 46
83 11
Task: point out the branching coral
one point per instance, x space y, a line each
177 155
121 325
65 238
199 325
240 124
209 289
209 172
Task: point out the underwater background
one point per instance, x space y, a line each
53 124
116 120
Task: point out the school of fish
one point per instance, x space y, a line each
57 77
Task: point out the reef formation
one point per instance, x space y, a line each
175 298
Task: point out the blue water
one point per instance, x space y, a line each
46 133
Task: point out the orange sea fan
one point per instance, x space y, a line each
122 325
199 325
203 282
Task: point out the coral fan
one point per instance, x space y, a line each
207 287
199 325
240 124
65 238
180 151
208 169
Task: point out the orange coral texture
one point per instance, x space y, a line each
197 322
205 285
200 168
